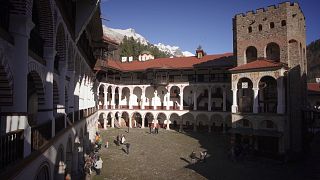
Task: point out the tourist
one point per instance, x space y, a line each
150 128
98 165
118 140
107 144
123 139
193 157
128 147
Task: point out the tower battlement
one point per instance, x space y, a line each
268 9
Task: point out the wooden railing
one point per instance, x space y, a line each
40 135
11 148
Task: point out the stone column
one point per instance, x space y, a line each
106 98
130 121
255 100
154 100
143 97
113 90
234 101
181 98
168 125
209 98
20 28
112 121
181 124
142 120
224 99
168 98
130 103
105 121
194 98
281 96
120 97
195 127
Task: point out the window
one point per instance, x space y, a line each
283 23
251 54
260 27
200 78
271 25
249 29
269 124
273 51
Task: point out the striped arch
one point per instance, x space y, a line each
38 85
60 58
6 82
43 173
46 20
55 94
70 57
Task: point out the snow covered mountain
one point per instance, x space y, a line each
118 35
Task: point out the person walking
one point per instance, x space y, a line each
128 147
98 165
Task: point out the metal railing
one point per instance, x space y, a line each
11 148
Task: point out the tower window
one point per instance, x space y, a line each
271 25
260 27
249 29
283 23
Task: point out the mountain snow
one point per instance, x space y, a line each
118 35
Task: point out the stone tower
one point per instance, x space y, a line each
277 34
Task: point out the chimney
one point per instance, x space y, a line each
199 52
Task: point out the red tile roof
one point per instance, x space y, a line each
314 87
259 64
164 63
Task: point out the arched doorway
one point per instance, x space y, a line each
188 121
174 120
137 101
202 123
217 123
251 54
245 95
273 52
59 170
101 97
175 97
124 120
137 119
202 98
35 96
101 119
162 118
69 156
148 119
44 172
268 95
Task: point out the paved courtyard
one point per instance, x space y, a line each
166 156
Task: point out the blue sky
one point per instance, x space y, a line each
189 23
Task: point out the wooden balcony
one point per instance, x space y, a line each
11 148
40 135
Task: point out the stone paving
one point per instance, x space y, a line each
166 156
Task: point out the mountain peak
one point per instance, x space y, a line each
118 35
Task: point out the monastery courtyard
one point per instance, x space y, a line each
166 156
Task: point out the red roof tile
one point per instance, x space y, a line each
314 87
259 64
164 63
